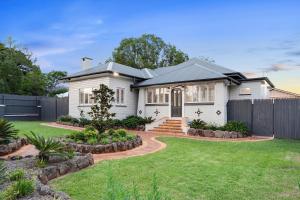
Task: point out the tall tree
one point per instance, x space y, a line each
53 86
147 51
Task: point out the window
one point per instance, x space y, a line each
85 96
199 93
120 92
245 91
157 95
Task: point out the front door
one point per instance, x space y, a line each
176 103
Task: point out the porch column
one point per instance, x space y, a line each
141 103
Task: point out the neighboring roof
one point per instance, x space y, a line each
260 79
111 67
192 70
286 92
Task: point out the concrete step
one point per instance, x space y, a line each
166 130
168 126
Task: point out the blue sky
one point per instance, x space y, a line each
257 37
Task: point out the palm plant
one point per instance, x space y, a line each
46 147
7 132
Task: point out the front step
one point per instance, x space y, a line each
170 126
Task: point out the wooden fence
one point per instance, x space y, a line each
21 107
265 117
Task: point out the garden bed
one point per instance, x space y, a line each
216 133
11 147
104 148
39 177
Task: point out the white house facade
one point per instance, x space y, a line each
191 90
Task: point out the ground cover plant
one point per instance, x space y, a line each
190 169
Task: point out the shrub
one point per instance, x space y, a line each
105 141
236 126
130 137
74 121
84 122
10 193
121 132
90 132
2 172
23 187
133 121
111 132
65 118
148 120
7 132
212 126
41 163
45 146
198 124
92 140
16 175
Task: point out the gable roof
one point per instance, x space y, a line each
192 70
112 67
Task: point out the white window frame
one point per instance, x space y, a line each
89 92
119 97
163 96
197 90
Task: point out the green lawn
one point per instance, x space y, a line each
25 127
190 169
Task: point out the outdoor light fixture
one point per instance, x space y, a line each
115 74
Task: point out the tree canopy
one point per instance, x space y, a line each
19 73
147 51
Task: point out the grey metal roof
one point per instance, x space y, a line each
112 67
192 70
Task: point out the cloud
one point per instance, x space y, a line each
293 53
280 67
251 74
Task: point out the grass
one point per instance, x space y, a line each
26 126
190 169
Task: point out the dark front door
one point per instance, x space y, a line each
176 103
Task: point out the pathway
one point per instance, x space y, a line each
150 144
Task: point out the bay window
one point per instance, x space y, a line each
201 93
157 95
85 96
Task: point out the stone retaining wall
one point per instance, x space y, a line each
216 134
58 169
9 148
105 148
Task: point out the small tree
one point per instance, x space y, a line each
103 98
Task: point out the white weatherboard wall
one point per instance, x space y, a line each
131 97
209 112
129 107
163 111
74 86
259 90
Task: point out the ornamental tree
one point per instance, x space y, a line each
103 98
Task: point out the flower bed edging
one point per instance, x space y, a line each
105 148
9 148
216 134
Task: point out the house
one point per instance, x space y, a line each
191 90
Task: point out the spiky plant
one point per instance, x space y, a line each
7 132
46 147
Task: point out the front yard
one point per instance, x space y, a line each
189 169
26 127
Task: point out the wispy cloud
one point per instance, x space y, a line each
293 53
280 67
